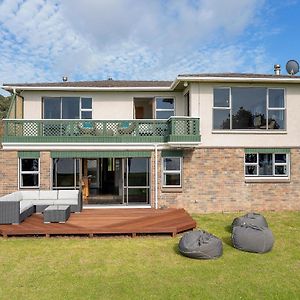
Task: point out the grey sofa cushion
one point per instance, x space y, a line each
251 238
250 218
200 244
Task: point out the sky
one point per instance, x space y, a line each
44 40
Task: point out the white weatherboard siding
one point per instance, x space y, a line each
106 105
258 138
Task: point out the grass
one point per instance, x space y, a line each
151 267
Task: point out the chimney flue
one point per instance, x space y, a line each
277 69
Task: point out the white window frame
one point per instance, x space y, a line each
21 172
164 172
283 109
274 164
80 106
164 109
85 109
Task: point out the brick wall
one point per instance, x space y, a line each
45 174
213 181
8 172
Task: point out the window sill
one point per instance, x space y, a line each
166 189
267 180
250 131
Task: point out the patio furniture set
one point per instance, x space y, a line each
56 205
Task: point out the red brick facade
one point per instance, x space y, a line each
212 181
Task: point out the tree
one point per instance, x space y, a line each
4 106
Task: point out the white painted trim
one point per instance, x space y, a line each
235 79
83 146
90 89
249 131
103 206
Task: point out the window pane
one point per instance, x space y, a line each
221 119
30 164
64 172
251 170
172 164
248 104
86 103
164 114
280 158
140 195
165 103
276 98
86 115
251 158
172 179
280 170
29 180
221 97
70 108
138 171
265 164
276 119
52 108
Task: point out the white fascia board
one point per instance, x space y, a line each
236 79
81 147
87 89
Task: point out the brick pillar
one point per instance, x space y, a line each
45 171
8 172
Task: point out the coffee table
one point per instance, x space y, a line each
56 213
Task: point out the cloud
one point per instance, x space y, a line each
41 40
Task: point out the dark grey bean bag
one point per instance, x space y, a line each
201 245
250 218
251 238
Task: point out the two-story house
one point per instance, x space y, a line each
204 142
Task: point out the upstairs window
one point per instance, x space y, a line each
67 108
266 164
246 108
164 108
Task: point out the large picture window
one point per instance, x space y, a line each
247 108
165 108
29 172
267 164
172 169
67 108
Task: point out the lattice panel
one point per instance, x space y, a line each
30 129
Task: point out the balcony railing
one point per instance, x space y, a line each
175 129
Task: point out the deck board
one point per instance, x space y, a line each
107 222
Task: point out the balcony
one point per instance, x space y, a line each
173 130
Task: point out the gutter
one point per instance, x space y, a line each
89 89
235 79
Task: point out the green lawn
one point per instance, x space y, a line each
150 267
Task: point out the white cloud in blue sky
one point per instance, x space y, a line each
41 40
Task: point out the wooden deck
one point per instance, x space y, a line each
107 222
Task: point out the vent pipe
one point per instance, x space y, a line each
277 69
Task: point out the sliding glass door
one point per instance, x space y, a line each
136 181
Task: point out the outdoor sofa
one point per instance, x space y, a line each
17 206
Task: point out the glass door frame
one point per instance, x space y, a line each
127 187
